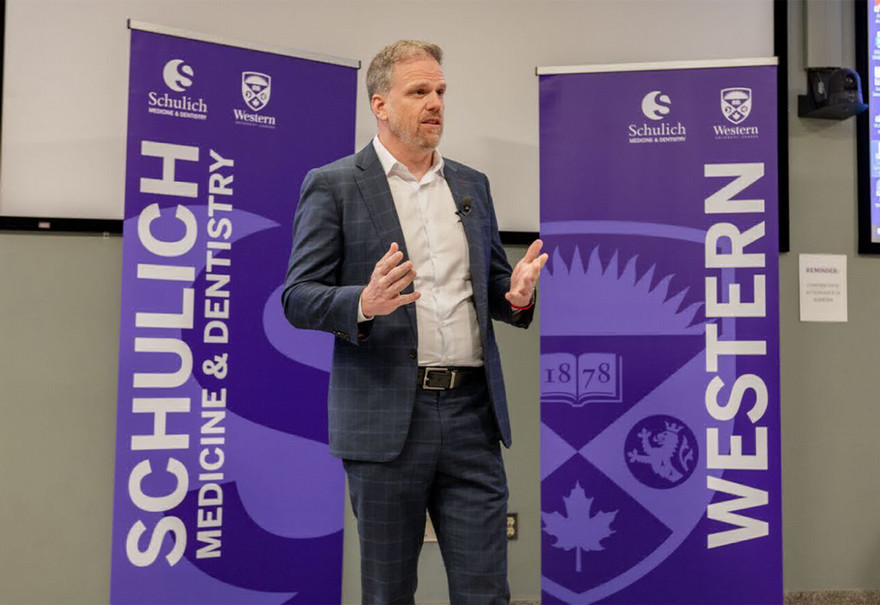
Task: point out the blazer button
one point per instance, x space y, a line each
413 353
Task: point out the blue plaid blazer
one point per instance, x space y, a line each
344 224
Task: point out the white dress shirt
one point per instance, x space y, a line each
435 241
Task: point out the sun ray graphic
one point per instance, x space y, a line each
597 300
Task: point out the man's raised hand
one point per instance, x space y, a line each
382 295
525 276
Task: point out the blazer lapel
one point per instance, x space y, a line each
473 232
373 186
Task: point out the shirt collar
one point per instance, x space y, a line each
390 163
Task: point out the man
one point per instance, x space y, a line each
396 251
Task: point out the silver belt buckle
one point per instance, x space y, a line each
428 372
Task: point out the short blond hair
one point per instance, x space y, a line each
382 65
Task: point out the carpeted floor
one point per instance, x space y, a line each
833 597
819 597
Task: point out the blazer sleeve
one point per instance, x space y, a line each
499 276
313 297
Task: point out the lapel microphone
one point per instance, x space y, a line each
465 208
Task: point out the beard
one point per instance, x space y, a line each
414 137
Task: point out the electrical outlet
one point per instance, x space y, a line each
512 526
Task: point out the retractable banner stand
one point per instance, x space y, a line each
660 334
225 490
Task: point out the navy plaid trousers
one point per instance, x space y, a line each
450 465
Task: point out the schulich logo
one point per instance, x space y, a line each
657 106
178 76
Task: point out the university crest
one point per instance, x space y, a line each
256 88
736 104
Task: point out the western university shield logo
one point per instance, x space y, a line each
256 88
736 104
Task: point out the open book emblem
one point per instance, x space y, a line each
577 381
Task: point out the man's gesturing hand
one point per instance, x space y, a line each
382 295
525 276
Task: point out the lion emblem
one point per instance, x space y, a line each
661 452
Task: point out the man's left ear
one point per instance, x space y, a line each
377 104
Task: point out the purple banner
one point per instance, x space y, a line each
225 490
660 337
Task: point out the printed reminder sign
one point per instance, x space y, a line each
823 287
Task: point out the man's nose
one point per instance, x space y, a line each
435 101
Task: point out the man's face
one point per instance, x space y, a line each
413 106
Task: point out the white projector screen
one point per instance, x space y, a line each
66 62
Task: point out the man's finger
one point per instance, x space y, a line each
543 260
403 282
397 272
391 250
393 261
387 264
405 299
535 266
533 251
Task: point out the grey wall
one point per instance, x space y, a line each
59 300
65 74
59 317
830 372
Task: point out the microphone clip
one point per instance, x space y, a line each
465 208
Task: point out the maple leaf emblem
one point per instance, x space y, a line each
579 529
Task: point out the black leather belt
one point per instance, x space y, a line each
443 379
